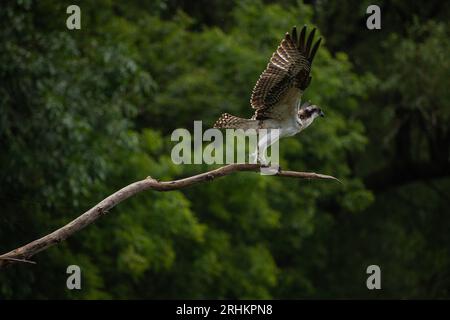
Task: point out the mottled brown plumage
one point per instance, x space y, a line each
227 120
287 73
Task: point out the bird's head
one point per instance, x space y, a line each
308 112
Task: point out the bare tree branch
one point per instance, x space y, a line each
22 254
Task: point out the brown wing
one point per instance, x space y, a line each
286 76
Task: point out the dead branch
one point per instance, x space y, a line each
22 254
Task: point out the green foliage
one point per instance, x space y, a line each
83 113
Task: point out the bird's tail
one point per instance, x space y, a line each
228 121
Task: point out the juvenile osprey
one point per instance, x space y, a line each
277 94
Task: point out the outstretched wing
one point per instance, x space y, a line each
286 76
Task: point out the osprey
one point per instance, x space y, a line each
276 96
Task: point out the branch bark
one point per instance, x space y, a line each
22 254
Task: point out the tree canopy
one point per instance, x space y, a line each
85 112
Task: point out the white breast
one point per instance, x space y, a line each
290 128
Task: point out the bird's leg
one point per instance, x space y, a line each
261 148
254 156
263 161
266 167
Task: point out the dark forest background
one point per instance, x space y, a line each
83 113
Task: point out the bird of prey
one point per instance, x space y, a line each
276 97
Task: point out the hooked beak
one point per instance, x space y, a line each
321 114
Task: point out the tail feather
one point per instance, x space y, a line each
228 121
